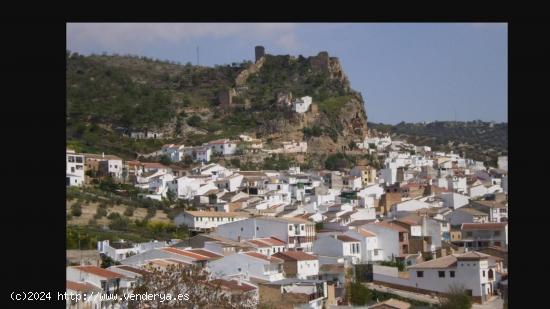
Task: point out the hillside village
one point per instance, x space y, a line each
383 220
419 224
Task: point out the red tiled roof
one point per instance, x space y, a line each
80 286
483 226
198 257
98 271
152 165
274 241
392 226
206 253
136 270
295 256
263 257
366 233
346 238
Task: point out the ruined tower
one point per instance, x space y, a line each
259 51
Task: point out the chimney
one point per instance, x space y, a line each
103 155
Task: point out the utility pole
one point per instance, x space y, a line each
198 55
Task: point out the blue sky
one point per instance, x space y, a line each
405 71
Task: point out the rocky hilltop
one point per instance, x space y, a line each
110 94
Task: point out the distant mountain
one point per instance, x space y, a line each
480 140
193 104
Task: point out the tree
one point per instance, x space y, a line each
171 196
165 160
359 294
76 210
456 298
193 282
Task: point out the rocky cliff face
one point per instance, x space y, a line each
337 109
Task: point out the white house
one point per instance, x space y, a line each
302 104
267 245
454 200
482 235
75 169
352 182
406 206
224 147
206 220
339 245
188 186
230 183
250 264
121 250
108 281
392 238
199 153
173 151
467 215
457 184
370 252
299 264
475 271
298 233
477 190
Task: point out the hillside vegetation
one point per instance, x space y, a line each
111 94
480 140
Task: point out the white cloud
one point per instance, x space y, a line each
125 37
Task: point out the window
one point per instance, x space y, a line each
257 228
441 274
116 166
302 227
290 227
497 233
452 274
72 169
419 274
242 229
79 160
483 273
71 159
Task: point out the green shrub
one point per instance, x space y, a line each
101 212
76 210
129 211
359 294
194 121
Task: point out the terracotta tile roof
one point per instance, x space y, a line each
207 253
192 255
472 211
366 233
81 286
98 271
153 165
392 226
295 256
133 269
346 238
260 256
274 241
483 226
332 268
